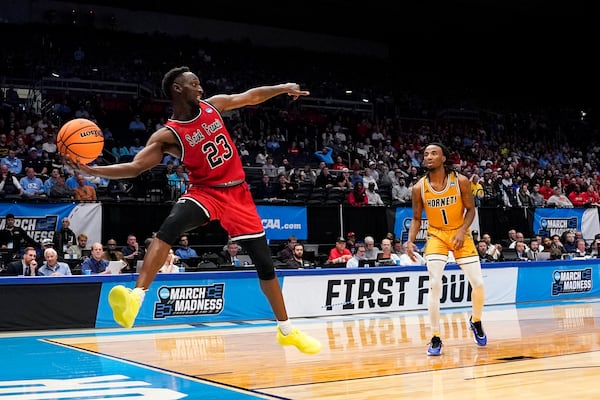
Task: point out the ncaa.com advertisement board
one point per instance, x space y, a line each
280 222
348 292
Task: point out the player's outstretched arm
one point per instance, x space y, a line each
257 95
150 156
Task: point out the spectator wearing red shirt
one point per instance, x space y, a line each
358 196
339 164
576 197
546 189
339 254
591 197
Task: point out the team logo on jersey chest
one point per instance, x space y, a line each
194 138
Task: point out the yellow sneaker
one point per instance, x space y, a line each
125 305
301 340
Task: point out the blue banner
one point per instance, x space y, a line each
558 280
402 225
554 221
282 221
41 220
210 297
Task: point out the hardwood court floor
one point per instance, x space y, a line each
537 352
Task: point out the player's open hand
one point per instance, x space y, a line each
76 164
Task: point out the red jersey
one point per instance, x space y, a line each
207 150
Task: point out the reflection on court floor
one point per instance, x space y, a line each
365 356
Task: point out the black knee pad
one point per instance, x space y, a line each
186 215
259 252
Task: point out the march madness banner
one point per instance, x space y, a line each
555 221
41 221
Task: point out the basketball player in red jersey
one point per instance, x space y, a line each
196 134
446 197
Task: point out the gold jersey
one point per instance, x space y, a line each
444 209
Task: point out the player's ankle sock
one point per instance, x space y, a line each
140 292
285 326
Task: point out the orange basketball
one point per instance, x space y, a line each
81 139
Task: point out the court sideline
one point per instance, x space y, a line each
539 351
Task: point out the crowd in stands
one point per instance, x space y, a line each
292 154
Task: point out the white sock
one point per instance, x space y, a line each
140 292
285 326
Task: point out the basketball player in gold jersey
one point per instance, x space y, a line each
446 197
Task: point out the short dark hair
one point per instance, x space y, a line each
10 216
170 77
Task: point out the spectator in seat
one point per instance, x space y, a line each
14 163
84 192
178 181
184 250
386 251
96 263
325 155
53 267
339 253
60 190
546 189
521 251
325 179
482 252
297 260
581 250
534 250
558 199
591 197
373 198
111 253
370 250
33 187
26 266
170 266
577 197
288 251
569 242
538 198
9 184
132 252
229 255
77 249
358 196
358 255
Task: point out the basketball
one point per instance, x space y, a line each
81 139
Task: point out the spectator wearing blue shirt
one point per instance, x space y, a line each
136 147
325 155
52 267
185 251
32 185
14 163
51 181
95 263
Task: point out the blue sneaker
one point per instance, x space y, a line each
478 333
435 347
